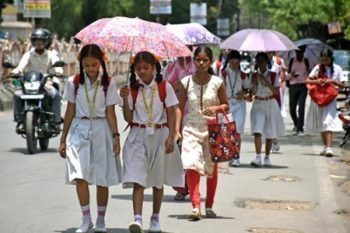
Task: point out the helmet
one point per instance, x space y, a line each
43 34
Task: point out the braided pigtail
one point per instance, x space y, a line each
105 78
159 76
133 82
81 72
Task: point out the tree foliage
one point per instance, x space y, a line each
296 19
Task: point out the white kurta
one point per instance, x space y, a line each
90 153
144 158
321 119
265 116
234 83
195 152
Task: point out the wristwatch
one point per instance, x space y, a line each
116 134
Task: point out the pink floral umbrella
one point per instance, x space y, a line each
131 35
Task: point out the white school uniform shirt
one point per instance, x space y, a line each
237 85
276 67
337 72
81 104
158 114
32 61
264 91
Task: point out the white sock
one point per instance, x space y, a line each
86 211
258 156
138 218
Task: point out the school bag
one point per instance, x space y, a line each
272 79
76 82
307 65
161 86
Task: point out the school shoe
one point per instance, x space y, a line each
323 151
135 227
329 152
100 226
267 162
154 226
256 162
86 226
275 147
210 213
236 163
195 215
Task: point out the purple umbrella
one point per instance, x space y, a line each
258 40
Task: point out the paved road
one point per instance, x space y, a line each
35 199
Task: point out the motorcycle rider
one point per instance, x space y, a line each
39 58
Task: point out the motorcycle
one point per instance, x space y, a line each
39 122
344 116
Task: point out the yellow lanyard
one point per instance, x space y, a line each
149 108
91 105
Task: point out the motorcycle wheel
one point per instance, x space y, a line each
44 143
30 133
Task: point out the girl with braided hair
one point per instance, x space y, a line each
150 158
90 138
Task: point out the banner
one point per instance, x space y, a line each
37 9
160 7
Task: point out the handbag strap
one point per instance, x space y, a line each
224 114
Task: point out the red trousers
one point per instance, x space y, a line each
193 178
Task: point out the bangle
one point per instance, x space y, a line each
116 134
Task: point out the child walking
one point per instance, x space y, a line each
324 119
237 84
266 119
205 95
90 138
150 158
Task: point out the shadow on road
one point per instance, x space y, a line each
24 151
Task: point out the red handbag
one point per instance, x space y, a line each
223 139
322 95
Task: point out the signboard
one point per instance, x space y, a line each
334 28
198 12
223 27
37 9
19 6
160 7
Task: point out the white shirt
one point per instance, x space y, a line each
32 61
337 73
264 91
80 100
234 80
158 112
277 68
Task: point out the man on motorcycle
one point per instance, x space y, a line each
39 58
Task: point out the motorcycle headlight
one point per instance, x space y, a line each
32 87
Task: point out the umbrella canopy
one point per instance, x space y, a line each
313 48
258 40
193 33
131 35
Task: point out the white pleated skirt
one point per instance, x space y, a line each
266 119
145 161
90 153
321 119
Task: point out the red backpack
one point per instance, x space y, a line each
76 82
272 79
161 91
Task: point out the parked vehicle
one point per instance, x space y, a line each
39 123
342 58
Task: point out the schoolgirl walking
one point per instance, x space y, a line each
265 118
150 158
90 138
